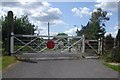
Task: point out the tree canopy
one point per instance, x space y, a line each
109 41
95 27
62 34
22 25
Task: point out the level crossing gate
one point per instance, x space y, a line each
37 44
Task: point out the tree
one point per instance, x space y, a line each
118 39
109 41
62 34
95 28
21 26
114 54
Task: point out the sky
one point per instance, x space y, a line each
64 17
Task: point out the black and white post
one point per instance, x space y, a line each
10 39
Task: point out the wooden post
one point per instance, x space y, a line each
9 31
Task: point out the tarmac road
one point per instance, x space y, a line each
84 68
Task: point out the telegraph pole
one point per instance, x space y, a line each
48 31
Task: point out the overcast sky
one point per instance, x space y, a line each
62 15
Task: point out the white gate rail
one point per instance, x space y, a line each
81 38
42 36
48 36
25 44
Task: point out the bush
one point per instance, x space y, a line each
117 55
2 49
112 55
107 57
4 53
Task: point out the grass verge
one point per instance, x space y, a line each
114 67
7 60
0 62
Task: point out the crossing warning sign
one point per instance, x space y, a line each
50 44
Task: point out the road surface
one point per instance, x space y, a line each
83 68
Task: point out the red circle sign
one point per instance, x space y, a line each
50 44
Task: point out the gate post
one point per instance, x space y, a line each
83 44
99 46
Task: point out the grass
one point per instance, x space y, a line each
114 67
6 61
0 62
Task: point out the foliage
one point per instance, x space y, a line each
112 52
117 55
21 26
114 67
0 63
108 56
0 47
62 34
7 60
2 50
95 27
112 55
118 39
109 42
